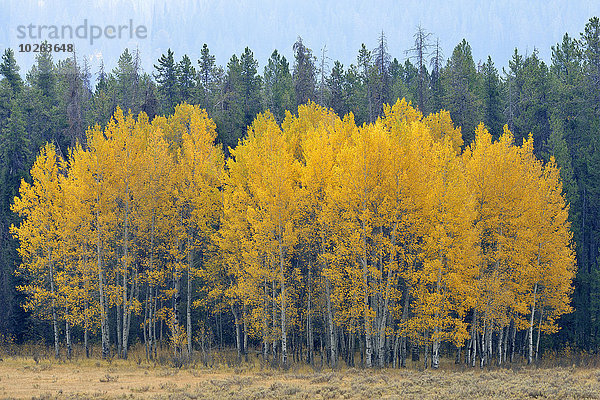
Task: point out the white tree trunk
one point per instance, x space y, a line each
283 310
189 302
530 353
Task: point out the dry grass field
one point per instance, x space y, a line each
34 378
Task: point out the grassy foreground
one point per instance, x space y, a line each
26 378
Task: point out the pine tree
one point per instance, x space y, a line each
166 77
250 86
364 62
533 103
278 86
461 85
186 79
10 71
492 105
304 73
207 77
46 121
337 89
123 82
231 119
15 159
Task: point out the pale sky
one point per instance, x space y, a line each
491 27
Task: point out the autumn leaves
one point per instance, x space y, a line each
368 238
389 231
123 220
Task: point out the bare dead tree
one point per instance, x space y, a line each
420 52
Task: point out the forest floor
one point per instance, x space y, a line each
32 378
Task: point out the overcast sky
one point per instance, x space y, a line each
491 27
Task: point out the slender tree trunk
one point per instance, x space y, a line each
435 354
274 310
221 345
505 344
352 349
513 342
283 310
127 327
176 301
245 333
85 342
151 323
435 357
265 322
103 311
54 316
85 330
126 300
309 332
488 343
119 329
473 345
366 308
383 320
483 344
151 297
395 354
500 332
154 323
330 323
537 341
189 301
161 326
530 353
403 340
415 350
146 324
238 339
68 339
426 350
125 320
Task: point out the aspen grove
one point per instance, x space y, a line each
320 238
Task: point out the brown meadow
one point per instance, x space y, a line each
35 377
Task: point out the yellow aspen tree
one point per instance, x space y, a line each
39 235
497 201
558 251
407 182
92 170
154 188
126 141
360 191
240 258
320 147
505 202
443 288
73 280
272 182
550 268
81 236
199 170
